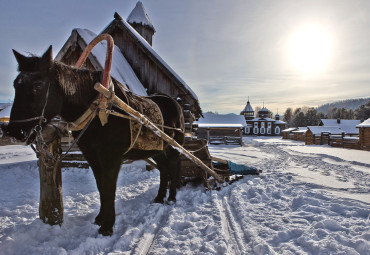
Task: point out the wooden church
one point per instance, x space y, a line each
135 63
262 124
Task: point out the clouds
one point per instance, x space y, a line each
224 50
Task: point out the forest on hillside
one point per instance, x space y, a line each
310 116
348 104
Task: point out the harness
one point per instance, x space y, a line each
98 107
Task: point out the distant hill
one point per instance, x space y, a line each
348 104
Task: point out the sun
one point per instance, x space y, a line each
310 49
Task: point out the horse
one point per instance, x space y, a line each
45 89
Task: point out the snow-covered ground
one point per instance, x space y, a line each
308 200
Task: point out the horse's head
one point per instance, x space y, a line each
35 102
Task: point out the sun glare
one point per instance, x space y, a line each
310 49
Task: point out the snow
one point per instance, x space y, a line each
144 43
121 70
308 200
317 130
139 16
348 126
366 123
220 125
221 120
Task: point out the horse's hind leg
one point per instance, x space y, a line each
169 166
173 164
164 178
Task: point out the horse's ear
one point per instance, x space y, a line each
47 58
19 57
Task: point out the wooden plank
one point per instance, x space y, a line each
51 198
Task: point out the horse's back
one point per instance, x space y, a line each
171 110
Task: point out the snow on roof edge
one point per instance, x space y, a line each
154 53
121 70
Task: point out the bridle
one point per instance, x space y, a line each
42 119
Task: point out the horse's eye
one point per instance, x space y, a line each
37 87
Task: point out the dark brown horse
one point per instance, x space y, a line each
45 89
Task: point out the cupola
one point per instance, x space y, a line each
248 111
140 21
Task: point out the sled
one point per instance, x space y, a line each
230 171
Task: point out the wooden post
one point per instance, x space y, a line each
147 123
51 196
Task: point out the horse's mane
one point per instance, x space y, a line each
76 83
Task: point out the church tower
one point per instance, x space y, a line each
140 21
248 111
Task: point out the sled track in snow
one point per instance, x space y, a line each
341 171
234 235
146 241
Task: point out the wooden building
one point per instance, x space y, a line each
221 128
262 124
364 134
287 133
348 126
299 134
133 39
320 135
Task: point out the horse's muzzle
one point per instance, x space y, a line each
18 132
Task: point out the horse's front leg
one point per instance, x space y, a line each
107 213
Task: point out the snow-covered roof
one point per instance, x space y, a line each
248 108
317 130
221 120
264 109
267 119
334 122
288 130
208 125
139 16
366 123
348 126
121 70
300 130
5 112
149 48
279 122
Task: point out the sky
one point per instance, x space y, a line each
278 53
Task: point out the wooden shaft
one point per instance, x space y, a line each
146 122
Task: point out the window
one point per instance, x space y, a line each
262 130
255 130
269 130
277 130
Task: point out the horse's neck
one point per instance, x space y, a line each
78 90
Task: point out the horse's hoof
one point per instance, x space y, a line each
99 220
158 200
106 232
171 200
